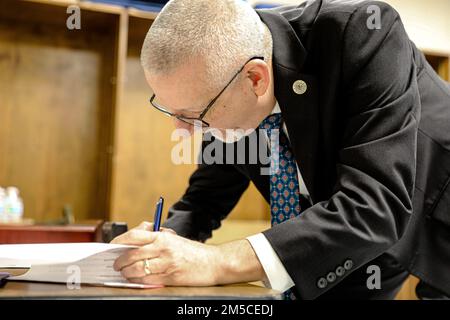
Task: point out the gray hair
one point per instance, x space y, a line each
223 34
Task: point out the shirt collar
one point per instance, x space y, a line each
276 109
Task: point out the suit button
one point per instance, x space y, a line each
322 283
300 87
348 264
331 277
340 271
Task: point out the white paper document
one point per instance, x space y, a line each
86 263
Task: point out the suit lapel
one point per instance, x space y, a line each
299 109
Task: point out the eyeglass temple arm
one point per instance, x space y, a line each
202 115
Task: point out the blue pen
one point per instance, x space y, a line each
158 214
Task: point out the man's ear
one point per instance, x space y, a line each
257 72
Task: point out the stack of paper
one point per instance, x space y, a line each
71 263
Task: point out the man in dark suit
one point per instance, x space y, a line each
365 121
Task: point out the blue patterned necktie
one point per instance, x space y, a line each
284 185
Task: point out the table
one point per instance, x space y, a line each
38 290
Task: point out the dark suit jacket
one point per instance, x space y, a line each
371 136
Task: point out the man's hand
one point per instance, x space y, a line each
172 260
177 261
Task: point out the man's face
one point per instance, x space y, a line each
184 93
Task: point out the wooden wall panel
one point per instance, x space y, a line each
55 105
143 169
440 63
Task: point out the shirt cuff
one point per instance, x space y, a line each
276 274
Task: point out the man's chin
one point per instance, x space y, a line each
229 135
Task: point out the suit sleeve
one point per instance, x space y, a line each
213 192
372 198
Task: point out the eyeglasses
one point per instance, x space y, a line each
195 121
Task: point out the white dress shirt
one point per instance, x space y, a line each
277 277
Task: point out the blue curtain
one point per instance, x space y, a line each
156 5
147 5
